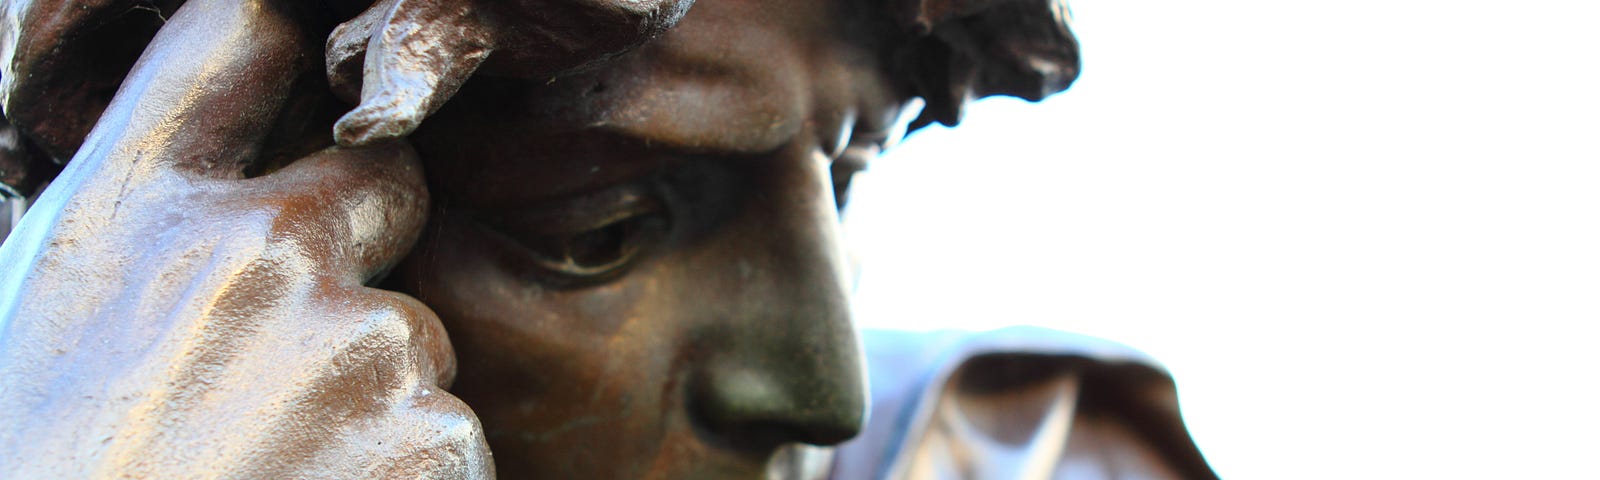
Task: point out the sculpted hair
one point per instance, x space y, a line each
61 61
960 50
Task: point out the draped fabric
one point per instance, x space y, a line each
1020 402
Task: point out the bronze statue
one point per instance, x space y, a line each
1017 403
610 251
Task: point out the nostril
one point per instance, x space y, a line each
721 430
765 433
747 412
764 436
829 434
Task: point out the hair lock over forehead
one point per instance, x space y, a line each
65 59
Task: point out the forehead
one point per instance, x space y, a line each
734 77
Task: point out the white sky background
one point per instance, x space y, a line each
1364 235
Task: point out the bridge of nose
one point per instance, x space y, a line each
779 355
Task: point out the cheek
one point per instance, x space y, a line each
547 368
517 341
475 280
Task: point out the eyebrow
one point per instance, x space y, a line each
517 168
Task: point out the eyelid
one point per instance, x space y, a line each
578 213
581 239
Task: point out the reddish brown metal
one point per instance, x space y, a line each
635 254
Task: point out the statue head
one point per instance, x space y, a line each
637 257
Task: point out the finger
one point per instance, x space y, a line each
345 351
434 436
62 59
355 346
428 346
204 95
446 441
430 433
359 209
351 381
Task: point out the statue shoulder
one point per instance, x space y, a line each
1015 399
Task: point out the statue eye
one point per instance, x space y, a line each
581 240
596 252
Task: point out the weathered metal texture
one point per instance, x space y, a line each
167 319
637 260
402 59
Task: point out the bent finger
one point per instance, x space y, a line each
204 94
360 209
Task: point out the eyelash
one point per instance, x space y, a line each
592 254
593 238
565 245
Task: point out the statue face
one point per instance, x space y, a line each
640 266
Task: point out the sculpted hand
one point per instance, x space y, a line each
161 317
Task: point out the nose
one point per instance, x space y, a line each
780 358
797 381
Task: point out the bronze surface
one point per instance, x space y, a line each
628 226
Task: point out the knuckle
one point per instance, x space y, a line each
449 438
391 340
358 209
